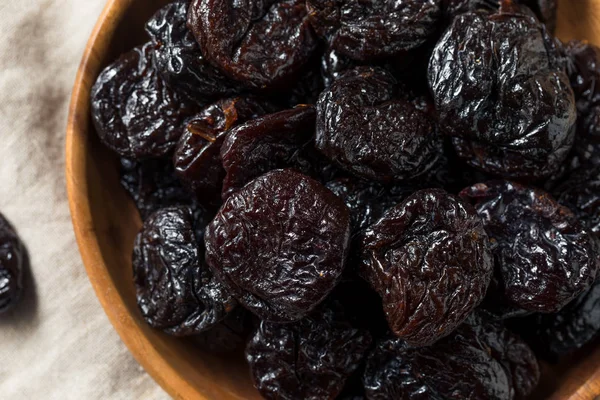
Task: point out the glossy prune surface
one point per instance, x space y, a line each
12 258
178 59
309 359
136 114
274 141
480 360
544 256
260 44
197 157
430 261
502 93
175 290
367 128
279 244
371 29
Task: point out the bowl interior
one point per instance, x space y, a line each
106 222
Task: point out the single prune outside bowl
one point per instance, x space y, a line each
105 222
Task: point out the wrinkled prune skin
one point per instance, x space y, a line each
152 185
367 201
136 114
502 93
178 58
544 257
279 140
175 290
11 266
279 244
365 127
475 362
260 44
310 359
366 30
197 157
574 326
429 260
580 193
545 10
583 65
508 349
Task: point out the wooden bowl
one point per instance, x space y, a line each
106 222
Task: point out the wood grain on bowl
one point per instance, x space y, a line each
106 221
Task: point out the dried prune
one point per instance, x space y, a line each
544 257
365 127
279 244
502 93
197 156
280 140
310 359
11 266
261 44
475 362
508 349
577 324
429 260
580 192
152 185
178 58
545 10
367 201
134 111
371 29
176 291
584 71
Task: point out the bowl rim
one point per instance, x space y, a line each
159 368
77 188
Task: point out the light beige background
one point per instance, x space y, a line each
58 344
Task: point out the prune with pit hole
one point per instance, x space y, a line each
430 261
136 114
573 327
178 58
197 157
365 127
279 140
229 335
367 201
12 258
580 193
502 93
152 185
279 244
175 290
365 30
261 44
310 359
544 257
475 362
